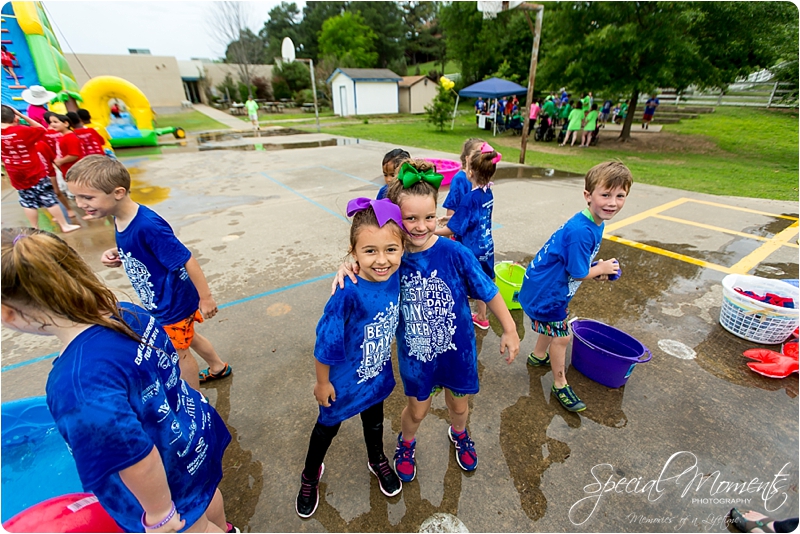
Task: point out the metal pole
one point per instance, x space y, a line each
494 119
314 90
455 110
537 32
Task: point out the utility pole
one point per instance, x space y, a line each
537 32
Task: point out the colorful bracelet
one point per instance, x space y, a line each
163 522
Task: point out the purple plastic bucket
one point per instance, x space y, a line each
605 354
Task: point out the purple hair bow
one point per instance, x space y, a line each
385 210
486 147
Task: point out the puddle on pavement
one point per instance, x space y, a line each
525 171
142 192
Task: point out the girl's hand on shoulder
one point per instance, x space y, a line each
510 342
323 392
173 525
349 270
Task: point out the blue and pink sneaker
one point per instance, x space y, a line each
466 456
404 463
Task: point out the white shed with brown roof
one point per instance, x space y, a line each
416 92
364 91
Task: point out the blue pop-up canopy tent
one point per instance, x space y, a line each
493 88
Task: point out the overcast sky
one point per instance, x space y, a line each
168 28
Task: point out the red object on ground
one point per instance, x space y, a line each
771 364
790 349
74 512
446 167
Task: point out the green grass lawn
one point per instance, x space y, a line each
749 152
191 121
424 68
269 117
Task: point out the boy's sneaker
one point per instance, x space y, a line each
483 325
466 456
308 498
404 463
569 399
231 528
387 479
533 361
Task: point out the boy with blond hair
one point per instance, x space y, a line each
163 272
563 262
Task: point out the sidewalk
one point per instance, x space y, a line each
220 116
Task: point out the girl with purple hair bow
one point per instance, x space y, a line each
354 348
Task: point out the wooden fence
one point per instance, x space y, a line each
752 94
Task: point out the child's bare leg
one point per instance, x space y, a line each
216 511
480 308
412 415
542 344
33 216
62 197
574 137
203 347
458 407
58 215
190 371
558 358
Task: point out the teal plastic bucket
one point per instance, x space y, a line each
508 277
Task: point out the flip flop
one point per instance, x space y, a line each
742 524
207 376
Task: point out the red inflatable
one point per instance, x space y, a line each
75 512
772 364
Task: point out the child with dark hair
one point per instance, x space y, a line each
391 162
8 60
354 348
556 272
68 146
459 185
26 171
91 142
86 119
590 126
575 123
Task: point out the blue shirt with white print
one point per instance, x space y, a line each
459 187
436 339
472 222
382 192
154 260
354 337
552 278
113 399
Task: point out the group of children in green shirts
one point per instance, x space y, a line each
583 117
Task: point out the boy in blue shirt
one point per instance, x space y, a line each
558 268
163 272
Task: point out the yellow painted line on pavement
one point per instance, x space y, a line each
762 252
748 210
720 229
644 215
668 253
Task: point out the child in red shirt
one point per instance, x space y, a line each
91 141
47 153
25 169
68 146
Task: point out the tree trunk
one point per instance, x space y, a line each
625 134
71 105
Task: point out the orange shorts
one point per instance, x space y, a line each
182 332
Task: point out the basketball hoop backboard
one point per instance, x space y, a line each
490 8
287 50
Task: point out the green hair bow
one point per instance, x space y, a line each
408 175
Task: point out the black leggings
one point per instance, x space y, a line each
787 525
322 436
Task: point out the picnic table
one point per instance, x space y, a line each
273 107
237 109
308 107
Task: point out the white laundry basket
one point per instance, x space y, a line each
758 321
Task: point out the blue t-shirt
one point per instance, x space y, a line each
650 106
382 192
354 337
551 278
154 261
607 106
114 398
472 222
459 187
436 339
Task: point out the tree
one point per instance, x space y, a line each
294 75
423 39
385 19
229 26
348 36
655 44
314 15
439 111
283 22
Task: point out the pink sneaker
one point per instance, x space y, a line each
483 325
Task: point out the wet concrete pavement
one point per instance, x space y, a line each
269 230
